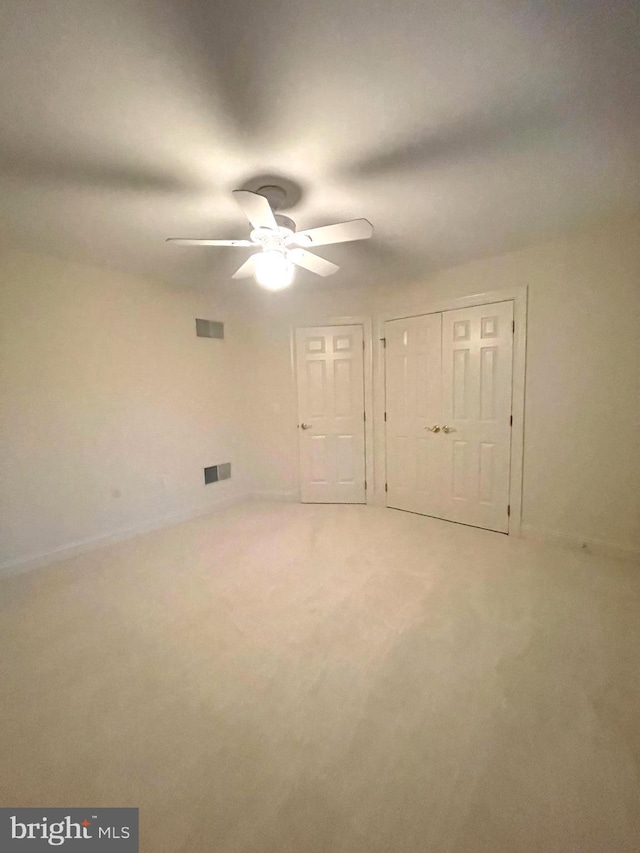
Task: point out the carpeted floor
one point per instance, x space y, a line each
341 679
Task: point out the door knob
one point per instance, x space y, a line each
434 428
446 428
305 426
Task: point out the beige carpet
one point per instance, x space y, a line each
348 679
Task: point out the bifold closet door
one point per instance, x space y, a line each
448 414
330 378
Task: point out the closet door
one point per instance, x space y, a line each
475 441
413 407
448 411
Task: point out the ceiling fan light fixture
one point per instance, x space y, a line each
273 270
282 248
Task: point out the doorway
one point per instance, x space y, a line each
331 413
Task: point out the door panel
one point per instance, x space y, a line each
344 459
412 380
316 388
344 397
319 468
330 377
477 353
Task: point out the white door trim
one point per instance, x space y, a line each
518 295
367 329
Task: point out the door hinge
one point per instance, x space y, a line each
508 510
513 326
364 417
386 487
510 420
384 342
365 485
363 346
385 417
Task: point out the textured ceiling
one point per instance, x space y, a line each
460 129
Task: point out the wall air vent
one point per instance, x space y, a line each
209 329
217 472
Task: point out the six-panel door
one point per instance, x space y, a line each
477 357
330 377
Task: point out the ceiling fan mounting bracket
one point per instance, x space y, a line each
276 196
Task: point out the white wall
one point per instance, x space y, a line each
582 416
111 406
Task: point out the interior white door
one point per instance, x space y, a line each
448 412
413 408
330 378
477 364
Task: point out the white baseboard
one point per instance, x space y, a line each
275 496
82 546
598 547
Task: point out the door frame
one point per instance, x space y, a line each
518 295
367 360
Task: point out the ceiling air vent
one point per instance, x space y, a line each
209 329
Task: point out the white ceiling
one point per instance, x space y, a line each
460 128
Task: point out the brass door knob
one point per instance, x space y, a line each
447 429
434 428
305 426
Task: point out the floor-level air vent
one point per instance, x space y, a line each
217 472
209 329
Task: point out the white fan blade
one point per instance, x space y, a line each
257 209
312 262
342 232
247 268
188 241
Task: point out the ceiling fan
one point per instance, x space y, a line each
281 247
